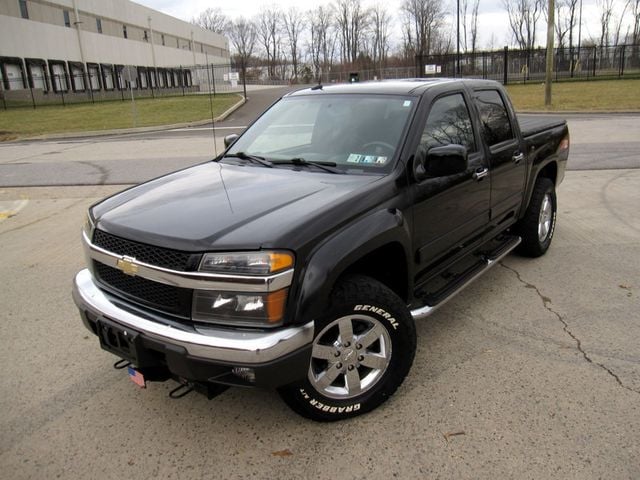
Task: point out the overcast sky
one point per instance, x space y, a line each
493 24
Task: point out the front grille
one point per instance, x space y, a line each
162 257
166 298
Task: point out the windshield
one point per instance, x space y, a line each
355 133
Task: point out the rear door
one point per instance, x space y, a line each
506 159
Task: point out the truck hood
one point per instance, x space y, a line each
216 206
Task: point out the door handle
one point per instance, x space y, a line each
480 173
518 158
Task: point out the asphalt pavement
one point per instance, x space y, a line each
533 372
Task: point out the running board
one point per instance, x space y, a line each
459 282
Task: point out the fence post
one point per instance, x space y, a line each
595 54
506 65
213 80
622 55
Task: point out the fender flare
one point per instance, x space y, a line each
328 261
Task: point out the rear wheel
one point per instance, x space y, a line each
362 352
538 224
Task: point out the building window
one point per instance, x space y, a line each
124 31
162 38
24 12
99 24
177 43
145 36
67 20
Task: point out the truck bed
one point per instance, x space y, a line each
533 124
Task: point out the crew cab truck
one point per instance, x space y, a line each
300 257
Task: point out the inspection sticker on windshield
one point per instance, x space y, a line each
369 159
407 103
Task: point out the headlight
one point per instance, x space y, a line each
88 226
247 263
255 309
239 308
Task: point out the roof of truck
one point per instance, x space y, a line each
411 86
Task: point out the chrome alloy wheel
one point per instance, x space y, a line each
349 356
545 218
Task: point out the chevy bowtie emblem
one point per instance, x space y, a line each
128 266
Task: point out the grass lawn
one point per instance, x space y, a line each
28 122
605 95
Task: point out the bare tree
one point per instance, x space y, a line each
322 39
523 20
618 25
293 24
267 25
242 33
474 26
565 21
606 10
635 37
380 22
212 19
351 19
422 19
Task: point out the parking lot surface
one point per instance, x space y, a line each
532 372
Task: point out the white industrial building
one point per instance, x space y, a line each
86 46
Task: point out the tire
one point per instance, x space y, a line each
538 225
353 375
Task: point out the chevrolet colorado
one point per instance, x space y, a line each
300 257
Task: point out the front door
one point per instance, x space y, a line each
451 209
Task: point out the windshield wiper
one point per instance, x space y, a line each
297 161
252 158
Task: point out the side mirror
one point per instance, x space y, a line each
440 161
229 139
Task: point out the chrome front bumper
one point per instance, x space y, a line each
209 343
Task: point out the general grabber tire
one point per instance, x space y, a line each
362 351
539 222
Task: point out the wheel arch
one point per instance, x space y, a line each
375 245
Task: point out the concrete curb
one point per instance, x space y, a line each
120 131
578 112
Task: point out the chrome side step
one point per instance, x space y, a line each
485 262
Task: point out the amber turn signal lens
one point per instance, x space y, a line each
275 305
280 261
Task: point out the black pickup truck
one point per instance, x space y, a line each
300 257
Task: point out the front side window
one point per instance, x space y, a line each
496 126
449 123
357 133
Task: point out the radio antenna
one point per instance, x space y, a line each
213 121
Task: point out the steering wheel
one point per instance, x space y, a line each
386 145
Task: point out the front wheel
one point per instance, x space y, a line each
362 351
538 224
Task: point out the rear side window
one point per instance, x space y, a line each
449 123
496 127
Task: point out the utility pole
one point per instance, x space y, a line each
549 69
458 40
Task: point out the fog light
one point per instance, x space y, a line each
245 373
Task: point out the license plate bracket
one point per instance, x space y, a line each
119 340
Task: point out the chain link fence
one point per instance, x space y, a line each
31 84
